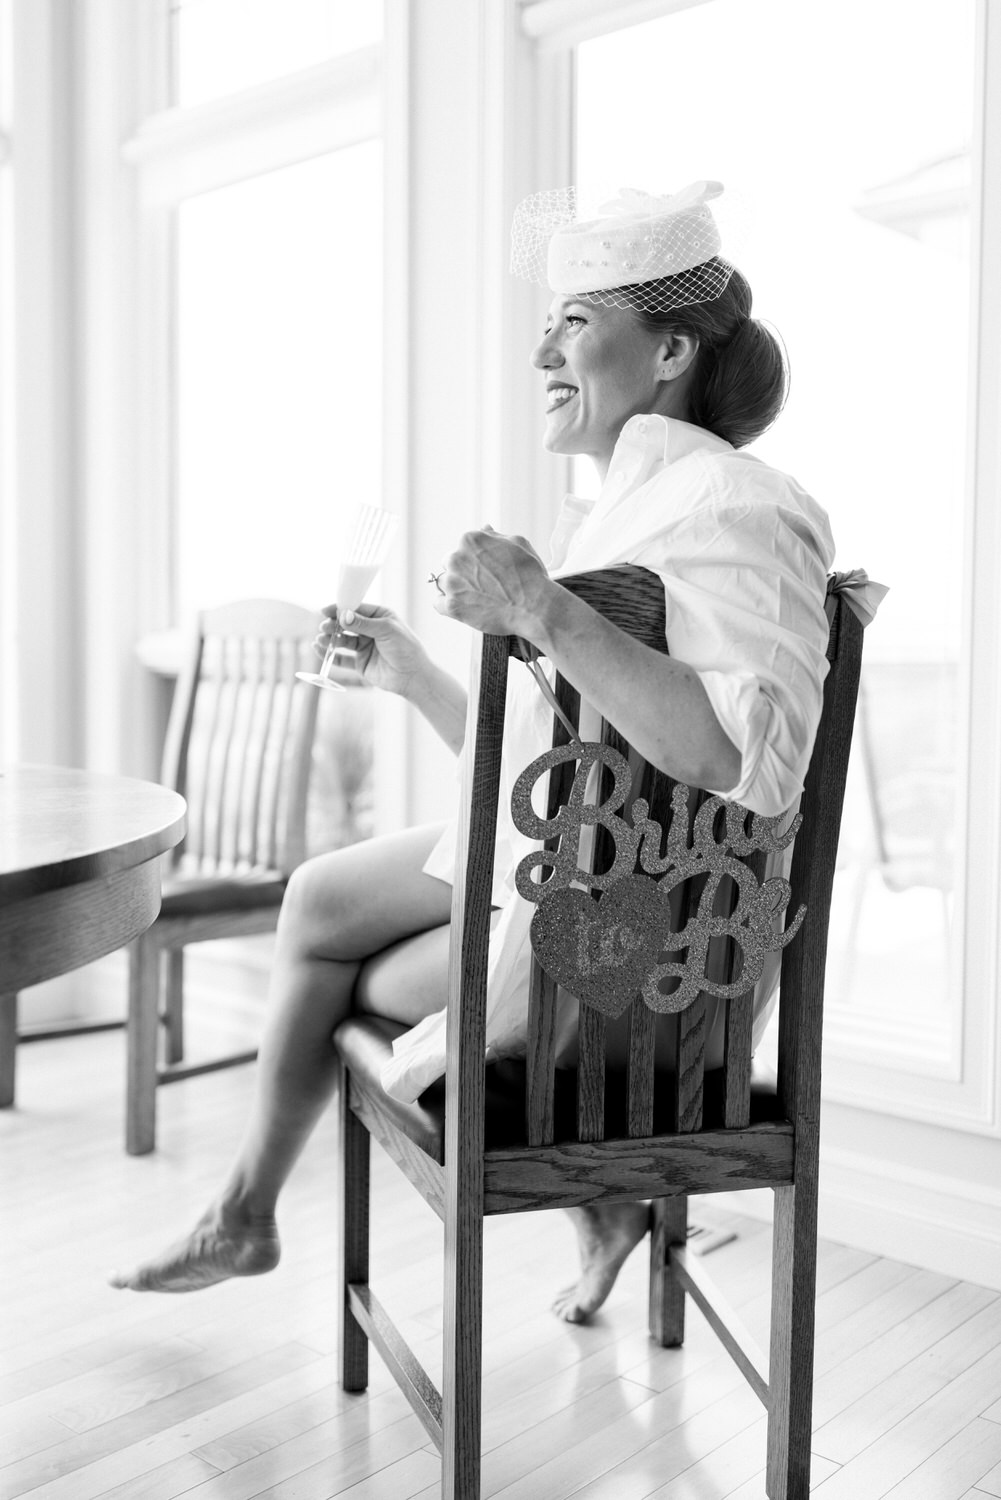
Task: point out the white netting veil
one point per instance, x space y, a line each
666 250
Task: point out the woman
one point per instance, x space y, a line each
654 369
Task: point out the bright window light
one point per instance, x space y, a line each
279 377
222 46
846 129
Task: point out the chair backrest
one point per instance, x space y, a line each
697 857
240 737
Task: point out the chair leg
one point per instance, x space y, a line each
353 1191
173 1005
790 1381
463 1350
666 1319
8 1048
143 1025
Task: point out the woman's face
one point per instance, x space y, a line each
601 368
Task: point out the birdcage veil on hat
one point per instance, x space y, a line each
666 249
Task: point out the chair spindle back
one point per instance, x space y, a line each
239 743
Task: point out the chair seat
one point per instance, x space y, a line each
200 895
365 1043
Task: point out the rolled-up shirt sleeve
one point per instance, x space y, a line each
745 586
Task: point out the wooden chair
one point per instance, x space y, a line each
516 1138
239 749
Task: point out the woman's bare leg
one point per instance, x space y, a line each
339 909
606 1236
608 1233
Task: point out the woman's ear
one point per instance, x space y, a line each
676 354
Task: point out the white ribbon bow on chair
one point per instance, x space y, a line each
862 595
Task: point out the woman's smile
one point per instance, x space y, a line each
559 394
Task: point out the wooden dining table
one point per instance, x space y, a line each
79 875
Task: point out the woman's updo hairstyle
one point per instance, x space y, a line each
741 378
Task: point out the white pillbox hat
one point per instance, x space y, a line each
635 239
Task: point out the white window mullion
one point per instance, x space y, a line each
981 977
558 24
182 152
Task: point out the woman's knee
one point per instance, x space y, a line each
317 907
353 902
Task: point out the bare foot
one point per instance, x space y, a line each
221 1245
606 1235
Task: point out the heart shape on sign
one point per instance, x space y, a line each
602 951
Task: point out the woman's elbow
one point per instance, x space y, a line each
722 770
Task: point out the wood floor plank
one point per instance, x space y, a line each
854 1321
736 1460
131 1462
900 1451
63 1460
989 1483
178 1477
371 1431
559 1458
669 1459
911 1386
894 1351
963 1460
400 1481
336 1474
754 1488
200 1396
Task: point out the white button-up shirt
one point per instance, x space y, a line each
743 552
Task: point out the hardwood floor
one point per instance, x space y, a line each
233 1392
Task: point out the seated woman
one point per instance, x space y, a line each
654 368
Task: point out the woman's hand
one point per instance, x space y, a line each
497 584
389 655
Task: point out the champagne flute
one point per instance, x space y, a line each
371 536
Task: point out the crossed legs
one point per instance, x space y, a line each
360 928
340 910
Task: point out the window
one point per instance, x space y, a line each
855 163
8 626
279 377
222 46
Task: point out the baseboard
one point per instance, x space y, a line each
906 1213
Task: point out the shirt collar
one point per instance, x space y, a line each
663 438
646 445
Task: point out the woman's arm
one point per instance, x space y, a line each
659 704
498 584
390 656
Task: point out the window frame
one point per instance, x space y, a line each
960 1088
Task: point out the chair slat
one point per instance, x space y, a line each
590 1074
642 1077
227 818
270 680
691 1023
540 1060
691 1066
739 1018
737 1062
253 659
215 675
540 1084
278 756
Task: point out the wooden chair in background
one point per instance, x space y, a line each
239 749
519 1138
